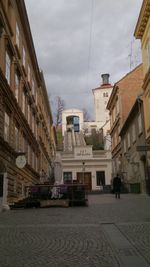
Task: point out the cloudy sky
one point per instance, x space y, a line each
78 40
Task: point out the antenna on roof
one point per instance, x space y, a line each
131 55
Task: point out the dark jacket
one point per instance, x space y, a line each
117 183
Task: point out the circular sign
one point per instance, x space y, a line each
21 161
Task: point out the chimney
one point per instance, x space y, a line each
105 78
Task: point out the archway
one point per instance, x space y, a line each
73 122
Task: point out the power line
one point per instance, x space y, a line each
90 41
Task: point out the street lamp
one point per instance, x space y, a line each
83 170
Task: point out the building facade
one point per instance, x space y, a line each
142 32
101 96
134 164
25 115
122 98
78 162
83 165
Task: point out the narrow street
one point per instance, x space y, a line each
109 232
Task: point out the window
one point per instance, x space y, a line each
33 160
117 107
113 115
15 185
24 57
36 127
133 133
124 145
140 124
23 143
36 163
33 87
17 34
17 82
29 73
128 137
33 122
22 189
67 177
100 178
23 102
29 114
6 127
8 67
28 155
105 94
35 95
148 53
16 138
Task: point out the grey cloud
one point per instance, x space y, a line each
71 63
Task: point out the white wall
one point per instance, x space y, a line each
100 103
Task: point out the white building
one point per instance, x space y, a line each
84 165
101 97
79 161
72 118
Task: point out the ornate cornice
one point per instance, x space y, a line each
142 20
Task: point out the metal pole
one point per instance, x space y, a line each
83 170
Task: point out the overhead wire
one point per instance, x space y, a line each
88 56
90 42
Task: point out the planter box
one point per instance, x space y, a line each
54 203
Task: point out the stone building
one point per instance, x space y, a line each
142 32
25 114
122 98
134 165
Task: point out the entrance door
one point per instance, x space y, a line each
1 190
85 178
1 185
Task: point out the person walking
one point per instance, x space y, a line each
117 185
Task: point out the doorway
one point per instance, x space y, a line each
85 178
1 185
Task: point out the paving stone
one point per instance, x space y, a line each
74 237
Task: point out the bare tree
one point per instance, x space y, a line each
58 106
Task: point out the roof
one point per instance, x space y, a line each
116 85
103 86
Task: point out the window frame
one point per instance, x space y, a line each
99 180
6 127
8 61
68 177
17 35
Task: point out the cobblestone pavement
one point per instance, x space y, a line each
75 236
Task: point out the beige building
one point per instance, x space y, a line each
122 98
134 166
25 115
142 32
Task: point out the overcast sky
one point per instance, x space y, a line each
78 40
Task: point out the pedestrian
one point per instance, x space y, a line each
117 185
